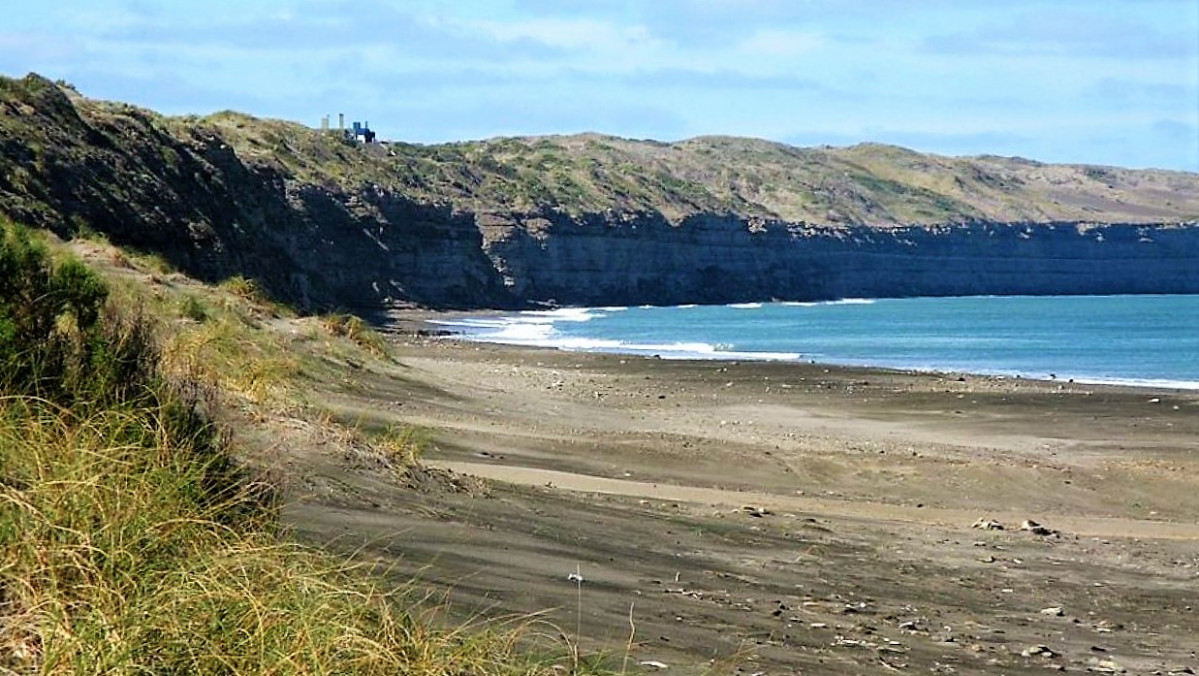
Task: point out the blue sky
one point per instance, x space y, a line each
1097 81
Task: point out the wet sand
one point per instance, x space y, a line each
779 518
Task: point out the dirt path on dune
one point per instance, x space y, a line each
1080 526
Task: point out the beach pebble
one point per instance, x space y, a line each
1099 666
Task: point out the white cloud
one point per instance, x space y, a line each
569 34
1018 75
592 45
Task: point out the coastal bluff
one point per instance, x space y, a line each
324 222
723 259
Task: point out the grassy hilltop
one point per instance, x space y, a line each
869 183
113 152
323 223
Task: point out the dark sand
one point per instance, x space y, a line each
777 518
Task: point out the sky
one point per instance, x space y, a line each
1092 81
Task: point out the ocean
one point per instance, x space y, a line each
1134 340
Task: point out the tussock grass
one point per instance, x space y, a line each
115 557
358 331
404 444
193 308
226 353
132 541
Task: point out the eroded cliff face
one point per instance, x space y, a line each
323 225
183 192
634 259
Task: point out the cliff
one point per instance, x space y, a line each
586 219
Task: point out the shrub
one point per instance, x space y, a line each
52 343
63 347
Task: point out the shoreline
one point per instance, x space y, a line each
741 507
439 325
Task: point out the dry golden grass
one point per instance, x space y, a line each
115 559
133 542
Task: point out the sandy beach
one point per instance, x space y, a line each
779 517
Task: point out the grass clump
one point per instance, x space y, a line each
244 288
115 557
193 308
403 445
131 541
353 327
224 352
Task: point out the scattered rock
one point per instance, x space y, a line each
987 524
1054 611
655 664
1099 666
1036 528
757 512
1038 651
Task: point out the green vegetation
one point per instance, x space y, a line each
205 191
352 327
193 309
226 352
57 341
131 541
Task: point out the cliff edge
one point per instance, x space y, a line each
321 222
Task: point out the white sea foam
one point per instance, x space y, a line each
1154 383
676 350
536 329
565 314
984 345
840 301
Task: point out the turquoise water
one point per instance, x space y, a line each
1140 340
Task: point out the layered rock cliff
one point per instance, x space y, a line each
720 259
323 223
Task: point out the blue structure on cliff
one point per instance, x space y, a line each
359 132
